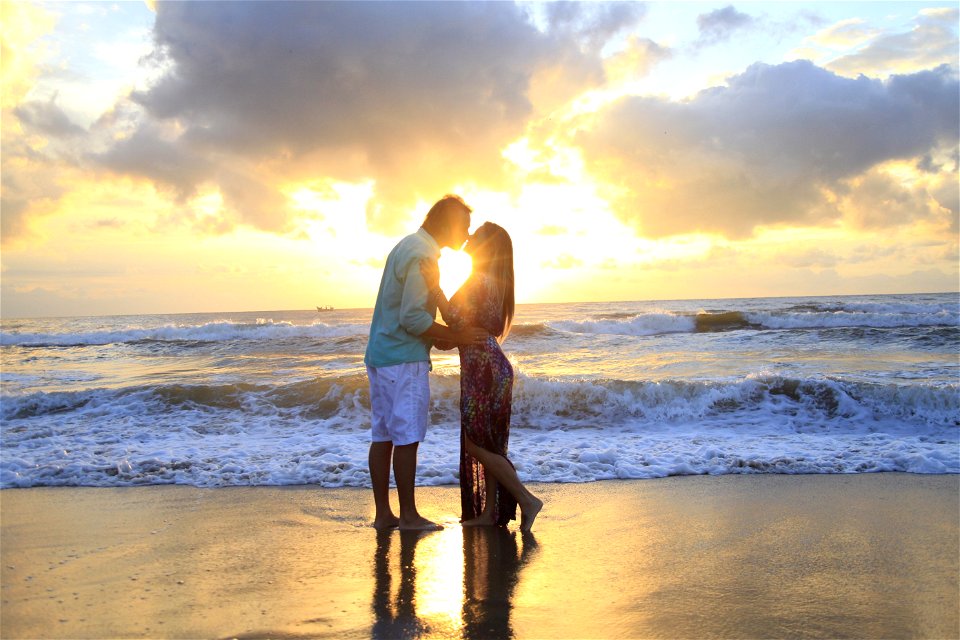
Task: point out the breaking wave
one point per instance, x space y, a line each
317 431
797 317
262 329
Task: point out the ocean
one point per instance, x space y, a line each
845 384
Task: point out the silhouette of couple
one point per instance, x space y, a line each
403 330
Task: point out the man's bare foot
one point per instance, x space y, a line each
390 522
482 520
528 513
419 524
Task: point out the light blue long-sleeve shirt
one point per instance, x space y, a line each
402 312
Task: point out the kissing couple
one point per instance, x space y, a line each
403 330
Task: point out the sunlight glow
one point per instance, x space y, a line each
591 218
455 268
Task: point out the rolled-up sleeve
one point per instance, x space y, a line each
414 317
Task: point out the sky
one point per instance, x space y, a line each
227 156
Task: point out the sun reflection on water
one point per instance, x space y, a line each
439 589
454 583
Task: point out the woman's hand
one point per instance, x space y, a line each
431 273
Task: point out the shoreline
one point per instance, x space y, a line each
732 556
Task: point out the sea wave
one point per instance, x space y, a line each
531 330
538 402
562 431
262 329
317 398
648 324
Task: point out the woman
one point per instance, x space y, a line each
490 490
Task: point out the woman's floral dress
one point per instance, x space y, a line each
486 392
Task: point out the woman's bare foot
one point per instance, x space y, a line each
482 520
390 522
528 513
419 524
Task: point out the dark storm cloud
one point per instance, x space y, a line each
763 149
416 95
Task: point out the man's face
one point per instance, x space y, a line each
459 230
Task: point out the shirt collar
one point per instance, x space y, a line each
429 238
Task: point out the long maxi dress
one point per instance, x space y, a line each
486 394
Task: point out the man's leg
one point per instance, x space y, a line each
404 473
379 461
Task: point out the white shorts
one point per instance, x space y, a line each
399 402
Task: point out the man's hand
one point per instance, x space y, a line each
470 335
459 337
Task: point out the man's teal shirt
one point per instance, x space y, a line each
402 312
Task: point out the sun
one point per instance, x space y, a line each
455 268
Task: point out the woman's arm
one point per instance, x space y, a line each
460 333
431 275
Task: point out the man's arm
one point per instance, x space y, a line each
415 319
468 335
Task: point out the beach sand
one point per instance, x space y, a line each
761 556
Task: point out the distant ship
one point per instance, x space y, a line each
326 308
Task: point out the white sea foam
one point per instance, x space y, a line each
562 432
262 329
800 317
249 450
848 318
647 324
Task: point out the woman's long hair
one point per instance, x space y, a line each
492 254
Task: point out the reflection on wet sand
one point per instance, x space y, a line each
491 569
458 582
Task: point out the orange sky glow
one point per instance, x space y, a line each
231 156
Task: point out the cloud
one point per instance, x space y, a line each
27 183
876 200
768 148
20 48
855 46
47 118
720 25
152 153
552 230
846 33
563 261
931 41
418 96
592 24
636 59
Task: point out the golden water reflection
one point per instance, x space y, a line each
458 582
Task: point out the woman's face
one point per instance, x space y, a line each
472 244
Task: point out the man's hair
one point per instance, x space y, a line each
446 206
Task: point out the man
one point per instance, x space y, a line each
398 360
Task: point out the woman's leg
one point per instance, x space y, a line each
489 506
486 519
504 473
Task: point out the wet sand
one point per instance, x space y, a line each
859 556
